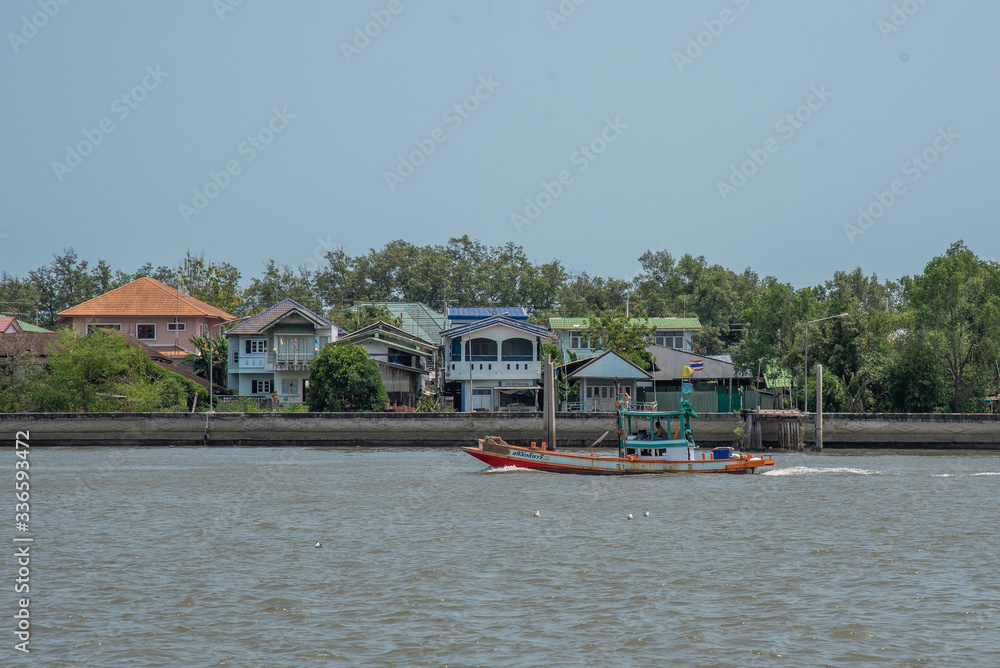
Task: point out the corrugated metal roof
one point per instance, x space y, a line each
28 327
659 323
261 321
514 312
465 328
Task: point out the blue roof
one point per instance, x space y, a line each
468 327
479 312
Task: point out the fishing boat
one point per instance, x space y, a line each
649 441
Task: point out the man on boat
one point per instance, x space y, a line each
659 431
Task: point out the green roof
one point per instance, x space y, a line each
28 327
659 323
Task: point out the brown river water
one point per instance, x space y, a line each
207 557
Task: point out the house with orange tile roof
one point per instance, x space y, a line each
158 315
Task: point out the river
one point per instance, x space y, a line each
207 557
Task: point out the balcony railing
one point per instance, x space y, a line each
289 361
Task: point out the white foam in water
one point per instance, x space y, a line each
799 470
943 475
509 469
987 473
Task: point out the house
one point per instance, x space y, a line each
670 332
156 314
418 319
10 325
494 362
598 381
272 351
404 360
715 387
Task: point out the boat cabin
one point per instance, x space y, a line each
655 435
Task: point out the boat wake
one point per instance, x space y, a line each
801 470
971 475
509 469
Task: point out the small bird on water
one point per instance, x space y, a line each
646 514
629 516
538 513
318 544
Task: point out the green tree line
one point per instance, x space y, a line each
929 342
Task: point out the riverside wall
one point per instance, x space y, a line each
841 430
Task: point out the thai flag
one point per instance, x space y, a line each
697 365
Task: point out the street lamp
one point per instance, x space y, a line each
211 358
805 373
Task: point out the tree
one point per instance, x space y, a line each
362 315
343 378
214 347
277 283
627 336
102 372
955 307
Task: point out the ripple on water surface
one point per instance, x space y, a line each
202 557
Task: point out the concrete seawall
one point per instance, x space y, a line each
841 430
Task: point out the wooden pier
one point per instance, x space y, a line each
774 429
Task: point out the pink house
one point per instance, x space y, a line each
156 314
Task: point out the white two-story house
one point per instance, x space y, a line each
272 351
493 363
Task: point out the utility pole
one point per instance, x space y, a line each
819 408
549 412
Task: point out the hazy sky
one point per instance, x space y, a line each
747 131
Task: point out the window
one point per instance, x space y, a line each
289 387
261 386
176 326
517 349
456 349
255 346
483 350
579 340
236 356
670 338
145 332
